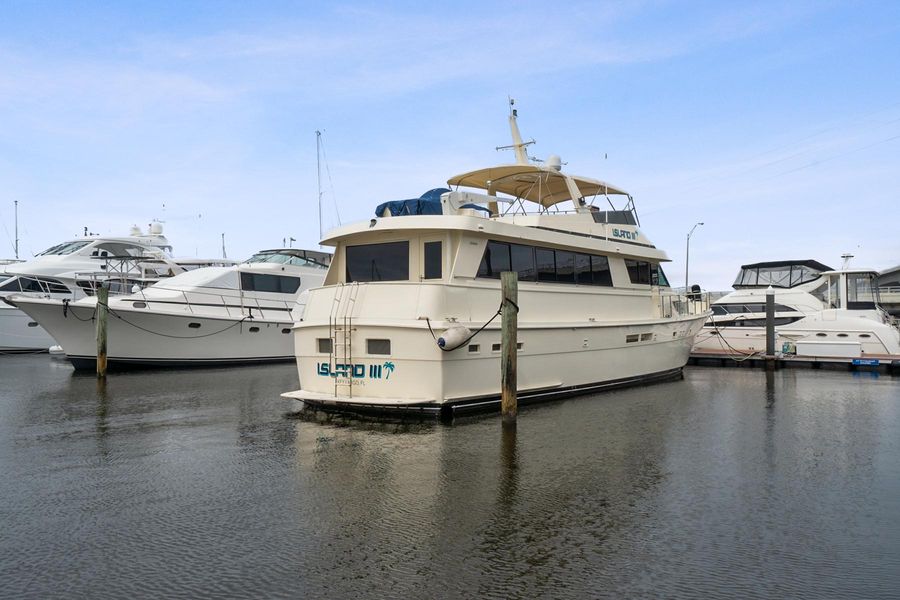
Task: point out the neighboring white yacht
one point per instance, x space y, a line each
596 310
819 312
209 316
71 269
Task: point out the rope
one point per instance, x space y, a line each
177 337
477 331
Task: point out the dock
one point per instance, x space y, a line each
878 363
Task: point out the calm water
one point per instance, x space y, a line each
206 484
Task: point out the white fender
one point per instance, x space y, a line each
453 337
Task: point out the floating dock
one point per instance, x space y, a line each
879 363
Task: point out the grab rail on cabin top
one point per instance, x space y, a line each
243 306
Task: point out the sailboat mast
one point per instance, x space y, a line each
319 177
16 203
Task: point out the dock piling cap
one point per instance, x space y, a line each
770 291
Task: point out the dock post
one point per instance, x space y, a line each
509 287
102 316
770 329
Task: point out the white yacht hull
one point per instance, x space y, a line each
136 337
553 361
20 333
856 334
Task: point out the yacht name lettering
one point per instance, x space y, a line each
622 233
355 370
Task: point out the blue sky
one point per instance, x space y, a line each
776 124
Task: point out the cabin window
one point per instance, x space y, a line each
565 266
433 260
657 277
263 282
378 262
323 345
523 262
583 269
12 286
638 271
495 260
860 292
545 261
43 285
600 271
378 346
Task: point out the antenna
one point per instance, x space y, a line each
223 247
517 145
319 176
16 202
846 256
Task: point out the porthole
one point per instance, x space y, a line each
376 346
254 329
324 345
286 330
32 324
630 338
646 337
473 348
194 325
139 304
520 345
842 335
821 335
864 335
495 347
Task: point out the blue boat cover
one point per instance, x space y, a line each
428 203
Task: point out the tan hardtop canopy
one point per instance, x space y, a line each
543 185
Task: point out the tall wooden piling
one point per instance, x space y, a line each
770 329
509 286
102 316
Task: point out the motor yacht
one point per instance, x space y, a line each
406 318
208 316
71 270
819 312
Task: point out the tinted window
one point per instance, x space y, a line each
546 264
583 269
657 277
565 266
638 271
523 262
495 260
12 286
600 269
433 260
263 282
378 262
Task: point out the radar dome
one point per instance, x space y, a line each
554 162
155 228
135 230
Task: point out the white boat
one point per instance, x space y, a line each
819 312
71 270
596 310
209 316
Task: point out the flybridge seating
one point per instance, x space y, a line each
783 274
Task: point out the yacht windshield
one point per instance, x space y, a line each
301 258
861 292
65 248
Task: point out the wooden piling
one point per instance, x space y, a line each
509 286
102 316
770 329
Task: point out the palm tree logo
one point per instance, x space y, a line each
389 367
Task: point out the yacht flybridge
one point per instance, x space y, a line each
819 312
208 316
405 319
73 269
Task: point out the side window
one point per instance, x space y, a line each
495 260
565 266
638 271
545 261
583 269
433 260
657 277
263 282
600 271
523 262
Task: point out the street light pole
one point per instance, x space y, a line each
687 256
